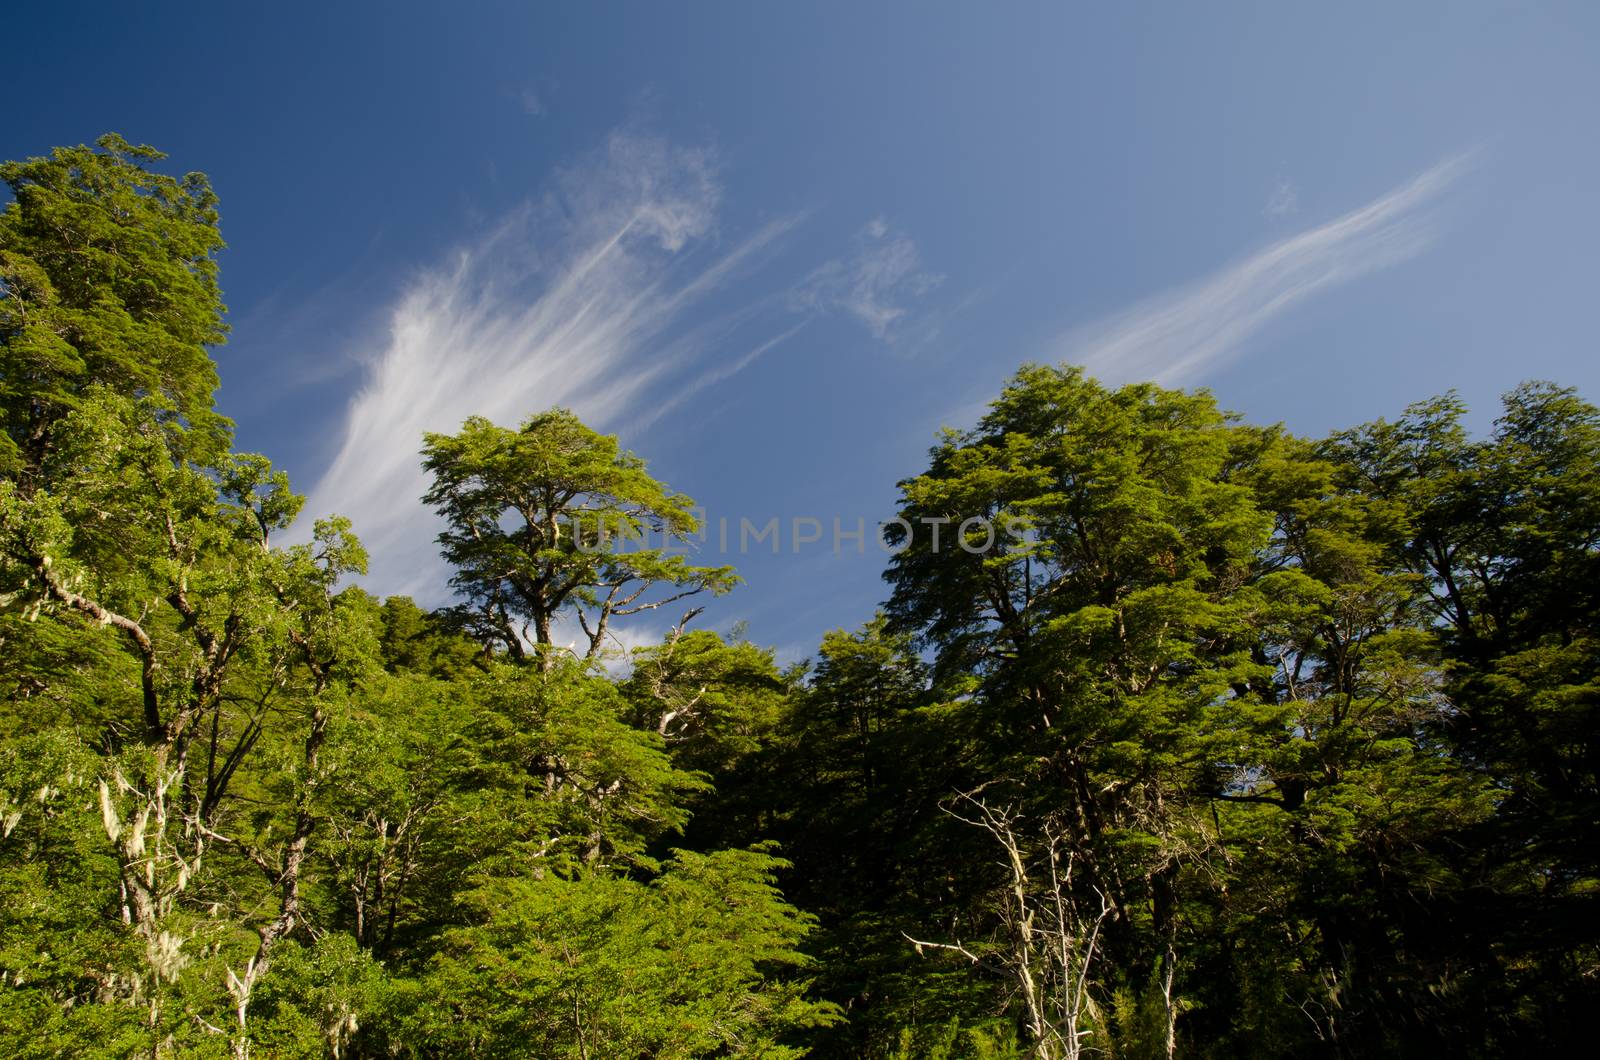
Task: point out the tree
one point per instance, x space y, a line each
1502 537
851 786
714 703
108 278
1177 736
417 641
539 524
1048 943
1091 574
691 964
594 791
1338 803
1203 673
166 565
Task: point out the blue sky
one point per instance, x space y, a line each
776 247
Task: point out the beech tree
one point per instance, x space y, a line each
554 518
108 277
713 702
165 570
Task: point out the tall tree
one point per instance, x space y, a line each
554 518
1083 551
165 568
851 788
108 277
1196 656
245 810
1502 535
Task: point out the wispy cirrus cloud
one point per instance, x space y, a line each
576 300
716 374
874 283
1180 335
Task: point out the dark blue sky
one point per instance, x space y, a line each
776 246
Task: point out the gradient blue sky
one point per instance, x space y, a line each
775 247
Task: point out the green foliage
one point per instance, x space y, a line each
1211 663
714 703
681 966
61 956
107 278
414 640
951 1040
555 518
318 998
246 808
603 788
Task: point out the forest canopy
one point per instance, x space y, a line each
1194 738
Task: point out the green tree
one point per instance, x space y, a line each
599 791
698 962
164 568
246 809
852 784
1340 801
540 523
1502 535
1202 675
1177 736
1094 550
108 278
715 703
417 641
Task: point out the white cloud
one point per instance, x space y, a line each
716 375
873 284
1177 336
564 303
